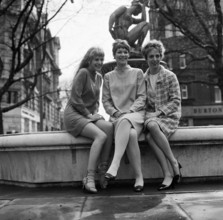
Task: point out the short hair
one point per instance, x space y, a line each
147 47
88 57
120 44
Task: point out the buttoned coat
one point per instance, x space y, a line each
166 97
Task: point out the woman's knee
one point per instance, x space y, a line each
123 125
133 135
148 137
124 121
109 128
101 136
153 126
106 127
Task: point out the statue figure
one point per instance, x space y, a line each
121 20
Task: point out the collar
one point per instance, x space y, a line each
161 72
122 69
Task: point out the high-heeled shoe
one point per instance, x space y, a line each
89 183
109 176
138 188
166 187
178 178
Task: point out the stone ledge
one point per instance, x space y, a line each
58 157
58 139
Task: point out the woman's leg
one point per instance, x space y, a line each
134 156
161 159
121 141
99 137
162 142
107 127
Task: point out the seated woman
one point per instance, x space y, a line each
163 111
124 98
81 117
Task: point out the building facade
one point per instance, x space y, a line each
42 110
201 97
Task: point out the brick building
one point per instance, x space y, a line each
201 97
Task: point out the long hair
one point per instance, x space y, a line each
88 57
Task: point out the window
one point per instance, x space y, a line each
38 126
32 104
46 69
169 31
184 92
182 61
178 33
33 126
5 97
28 69
48 110
26 125
10 97
217 94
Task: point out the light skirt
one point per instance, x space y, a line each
136 119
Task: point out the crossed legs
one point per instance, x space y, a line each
126 139
121 142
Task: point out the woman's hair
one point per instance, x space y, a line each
151 45
88 57
120 44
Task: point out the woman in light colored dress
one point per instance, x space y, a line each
124 98
81 116
163 111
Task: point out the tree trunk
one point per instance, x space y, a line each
1 122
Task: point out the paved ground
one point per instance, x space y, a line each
193 201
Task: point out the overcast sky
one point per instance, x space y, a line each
79 26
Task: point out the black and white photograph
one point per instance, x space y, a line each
111 109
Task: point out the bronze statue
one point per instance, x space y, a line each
123 18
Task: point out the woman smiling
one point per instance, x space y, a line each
124 98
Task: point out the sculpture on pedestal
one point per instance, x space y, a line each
122 19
